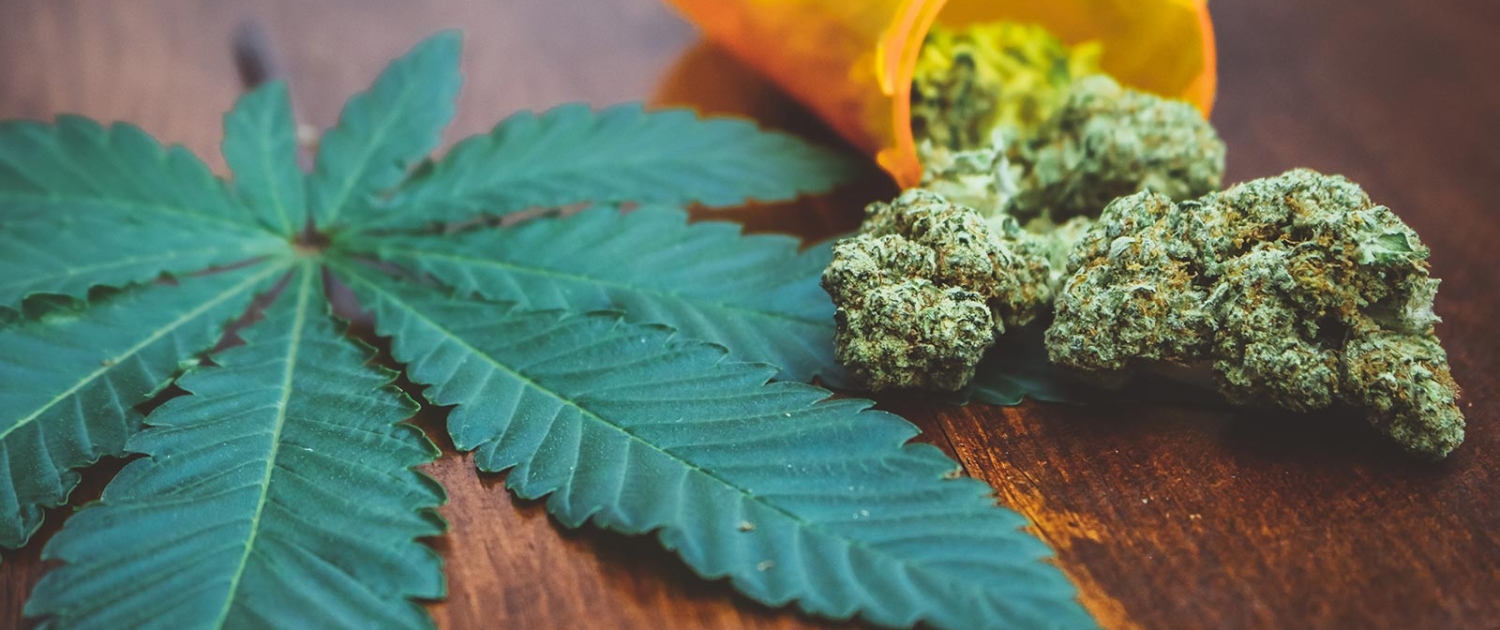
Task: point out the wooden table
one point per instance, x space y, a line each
1165 518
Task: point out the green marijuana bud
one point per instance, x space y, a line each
1299 291
997 75
1010 134
980 178
925 287
1107 141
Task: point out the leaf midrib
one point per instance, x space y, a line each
162 156
622 151
549 273
294 345
586 412
244 248
126 204
480 195
513 170
117 360
267 146
376 139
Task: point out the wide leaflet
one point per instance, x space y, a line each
383 131
82 206
791 496
70 379
754 294
278 493
573 154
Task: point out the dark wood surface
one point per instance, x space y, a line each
1166 518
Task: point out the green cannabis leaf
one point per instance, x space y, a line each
572 154
86 206
260 146
275 485
383 131
279 493
66 411
789 495
755 294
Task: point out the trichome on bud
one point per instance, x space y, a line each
932 279
1105 141
1298 290
925 287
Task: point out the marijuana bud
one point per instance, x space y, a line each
1298 290
925 287
1107 141
996 75
1104 142
980 178
1020 148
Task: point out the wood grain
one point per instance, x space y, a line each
1166 518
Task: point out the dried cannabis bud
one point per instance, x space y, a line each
980 178
1106 142
926 286
1009 132
988 76
1299 290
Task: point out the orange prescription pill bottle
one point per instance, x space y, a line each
852 61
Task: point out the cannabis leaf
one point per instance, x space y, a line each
278 494
260 146
571 154
791 496
69 378
754 294
383 131
86 206
276 488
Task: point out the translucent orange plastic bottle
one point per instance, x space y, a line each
852 61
